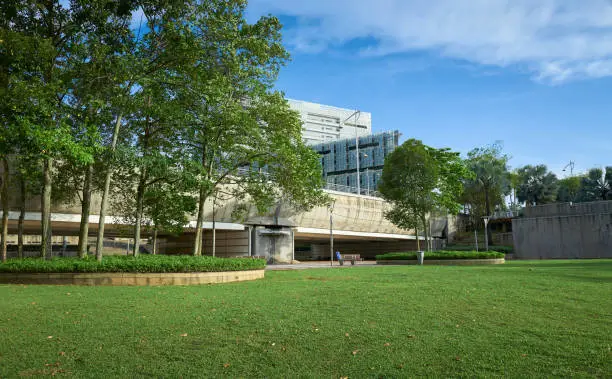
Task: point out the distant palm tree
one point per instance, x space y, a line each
536 185
597 185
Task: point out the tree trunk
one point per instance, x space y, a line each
142 182
430 247
139 210
107 181
85 208
425 230
22 211
45 245
197 246
416 231
214 229
5 206
155 240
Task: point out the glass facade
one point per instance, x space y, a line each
339 161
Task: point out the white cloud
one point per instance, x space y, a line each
556 40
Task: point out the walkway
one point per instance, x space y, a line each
317 264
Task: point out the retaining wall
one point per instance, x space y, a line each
564 231
130 279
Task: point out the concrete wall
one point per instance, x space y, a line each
351 213
504 239
558 209
564 231
229 243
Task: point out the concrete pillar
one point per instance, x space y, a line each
273 243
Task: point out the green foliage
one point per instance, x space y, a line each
596 185
536 185
442 255
143 263
184 102
569 188
418 179
491 182
240 133
500 248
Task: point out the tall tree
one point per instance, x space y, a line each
418 179
596 185
568 189
158 117
122 68
490 184
5 206
29 179
41 74
242 134
99 73
537 185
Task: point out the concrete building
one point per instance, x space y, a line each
564 230
339 161
324 123
280 235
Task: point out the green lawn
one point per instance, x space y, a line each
521 319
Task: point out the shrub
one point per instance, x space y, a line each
435 255
500 249
143 263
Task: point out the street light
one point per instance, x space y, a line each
486 222
331 232
367 175
356 114
571 166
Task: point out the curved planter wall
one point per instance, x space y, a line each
131 279
446 262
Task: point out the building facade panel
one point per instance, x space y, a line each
324 123
339 160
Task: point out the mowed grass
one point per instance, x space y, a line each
521 319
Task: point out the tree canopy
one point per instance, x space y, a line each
596 185
536 185
485 191
418 179
162 111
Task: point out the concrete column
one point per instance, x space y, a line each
276 244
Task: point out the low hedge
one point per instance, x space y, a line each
441 255
143 263
499 249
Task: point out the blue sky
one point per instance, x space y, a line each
535 74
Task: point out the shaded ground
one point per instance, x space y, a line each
521 319
317 264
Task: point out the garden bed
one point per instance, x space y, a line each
141 264
122 270
442 258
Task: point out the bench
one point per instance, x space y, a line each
350 257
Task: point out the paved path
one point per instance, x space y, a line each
318 264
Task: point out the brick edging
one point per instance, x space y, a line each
130 279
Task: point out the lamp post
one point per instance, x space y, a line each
486 222
356 114
331 232
367 175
